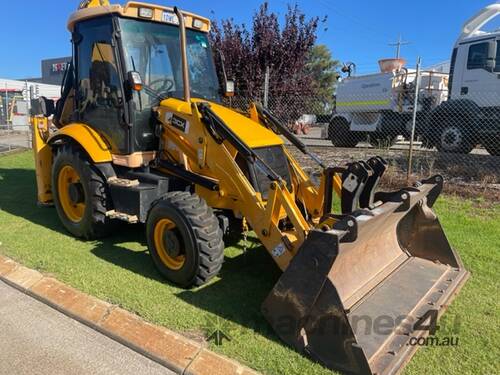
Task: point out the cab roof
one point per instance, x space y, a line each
132 10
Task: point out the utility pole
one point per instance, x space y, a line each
398 45
414 121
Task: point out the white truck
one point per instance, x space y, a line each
455 112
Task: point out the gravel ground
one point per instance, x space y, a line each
473 175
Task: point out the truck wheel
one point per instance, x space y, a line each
185 240
493 146
81 195
341 135
455 139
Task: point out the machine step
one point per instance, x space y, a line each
122 182
131 219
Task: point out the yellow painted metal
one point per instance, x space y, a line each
86 137
173 263
246 129
68 176
254 136
308 194
43 158
131 10
337 185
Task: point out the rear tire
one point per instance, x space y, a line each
81 195
341 135
455 139
185 239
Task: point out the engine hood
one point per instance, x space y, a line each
249 131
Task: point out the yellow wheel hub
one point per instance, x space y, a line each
167 243
70 179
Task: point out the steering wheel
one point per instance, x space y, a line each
167 85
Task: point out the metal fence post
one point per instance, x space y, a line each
266 87
6 105
414 120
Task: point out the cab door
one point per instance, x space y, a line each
480 75
100 102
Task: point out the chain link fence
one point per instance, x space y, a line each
14 137
459 139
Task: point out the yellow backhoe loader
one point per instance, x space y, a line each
141 136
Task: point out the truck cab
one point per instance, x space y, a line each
472 113
475 65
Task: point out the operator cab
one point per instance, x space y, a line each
110 43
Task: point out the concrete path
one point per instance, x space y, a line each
38 340
13 141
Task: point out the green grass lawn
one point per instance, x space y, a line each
120 271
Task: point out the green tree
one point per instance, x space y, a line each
322 68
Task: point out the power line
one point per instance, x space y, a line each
354 19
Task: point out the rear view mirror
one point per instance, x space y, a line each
490 64
229 89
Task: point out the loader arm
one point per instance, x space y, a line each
197 138
312 197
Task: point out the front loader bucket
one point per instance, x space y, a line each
352 296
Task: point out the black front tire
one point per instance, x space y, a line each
196 233
93 224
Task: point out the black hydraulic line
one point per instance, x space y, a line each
276 126
222 132
188 176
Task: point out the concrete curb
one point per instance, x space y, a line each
168 348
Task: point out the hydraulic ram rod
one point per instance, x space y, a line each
279 128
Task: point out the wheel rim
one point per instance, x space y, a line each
451 138
166 241
68 183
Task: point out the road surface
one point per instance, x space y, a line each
314 139
38 340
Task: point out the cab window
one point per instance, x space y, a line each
99 94
478 55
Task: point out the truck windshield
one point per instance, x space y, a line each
153 50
